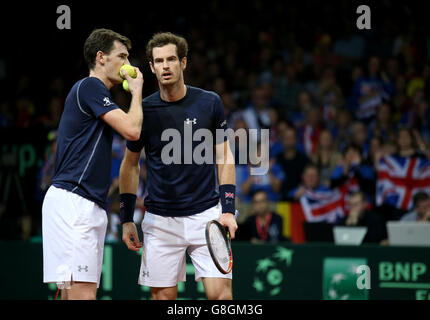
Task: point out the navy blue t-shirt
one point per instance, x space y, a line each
182 187
84 144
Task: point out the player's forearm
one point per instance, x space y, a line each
135 113
128 177
226 174
225 164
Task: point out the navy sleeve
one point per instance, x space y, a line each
94 98
219 121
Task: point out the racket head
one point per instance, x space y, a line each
219 244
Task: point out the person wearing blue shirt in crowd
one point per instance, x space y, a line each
292 162
310 181
270 182
353 172
370 91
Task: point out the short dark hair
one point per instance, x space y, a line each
258 191
161 39
311 165
418 197
358 193
353 146
102 40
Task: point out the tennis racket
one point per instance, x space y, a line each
219 244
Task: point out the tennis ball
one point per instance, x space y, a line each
129 69
125 85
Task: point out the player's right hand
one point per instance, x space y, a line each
135 84
130 237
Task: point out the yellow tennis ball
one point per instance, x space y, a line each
125 85
129 69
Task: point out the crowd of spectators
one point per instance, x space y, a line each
336 99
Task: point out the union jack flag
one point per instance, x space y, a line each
400 178
323 205
229 195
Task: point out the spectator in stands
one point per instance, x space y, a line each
359 137
329 96
421 211
407 144
276 75
303 104
353 174
326 157
256 114
292 162
418 117
370 91
263 225
383 125
309 133
375 151
270 182
401 102
341 129
277 128
359 215
310 182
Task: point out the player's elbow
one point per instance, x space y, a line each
132 134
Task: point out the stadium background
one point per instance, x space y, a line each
255 52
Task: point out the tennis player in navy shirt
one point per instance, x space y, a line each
183 194
74 217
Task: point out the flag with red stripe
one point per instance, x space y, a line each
323 205
400 178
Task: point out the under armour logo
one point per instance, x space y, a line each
145 274
107 102
229 195
80 268
188 121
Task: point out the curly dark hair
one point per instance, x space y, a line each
161 39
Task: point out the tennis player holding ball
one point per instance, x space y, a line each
181 198
74 218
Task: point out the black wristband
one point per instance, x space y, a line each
227 193
127 202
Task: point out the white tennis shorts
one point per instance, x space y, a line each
73 231
165 243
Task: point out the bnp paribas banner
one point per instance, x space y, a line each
331 272
280 271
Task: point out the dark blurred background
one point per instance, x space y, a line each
300 68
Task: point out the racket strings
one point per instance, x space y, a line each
219 246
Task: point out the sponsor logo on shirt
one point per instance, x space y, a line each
188 121
107 102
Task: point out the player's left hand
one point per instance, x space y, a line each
228 220
130 237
